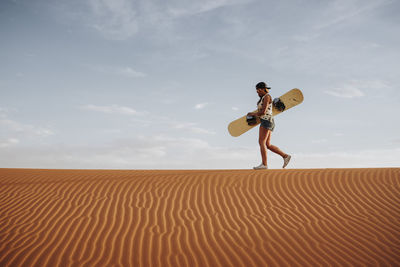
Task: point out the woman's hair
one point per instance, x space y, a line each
262 85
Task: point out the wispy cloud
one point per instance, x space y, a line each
356 88
348 159
8 142
192 127
115 19
3 112
123 19
188 8
145 152
170 124
120 71
338 134
169 152
346 91
201 105
341 11
13 132
111 109
319 141
24 129
395 141
129 72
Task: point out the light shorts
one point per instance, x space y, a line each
268 124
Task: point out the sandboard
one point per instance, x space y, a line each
290 99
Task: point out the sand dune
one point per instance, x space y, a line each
200 218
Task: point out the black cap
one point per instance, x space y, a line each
262 85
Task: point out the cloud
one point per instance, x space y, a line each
146 119
188 126
9 142
169 124
129 72
319 141
395 141
3 112
196 130
200 105
120 71
13 132
114 19
140 152
123 19
371 158
112 109
199 130
169 152
346 91
341 11
183 8
24 129
356 88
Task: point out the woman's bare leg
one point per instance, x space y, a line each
273 148
262 140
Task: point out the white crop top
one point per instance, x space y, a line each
268 111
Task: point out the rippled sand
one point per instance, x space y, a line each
199 218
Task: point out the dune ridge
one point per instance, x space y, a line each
310 217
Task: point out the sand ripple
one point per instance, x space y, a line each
200 218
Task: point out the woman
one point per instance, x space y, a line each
264 112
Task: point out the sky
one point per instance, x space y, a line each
153 84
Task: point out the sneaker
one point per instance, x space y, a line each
286 161
261 167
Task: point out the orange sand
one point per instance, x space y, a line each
199 218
